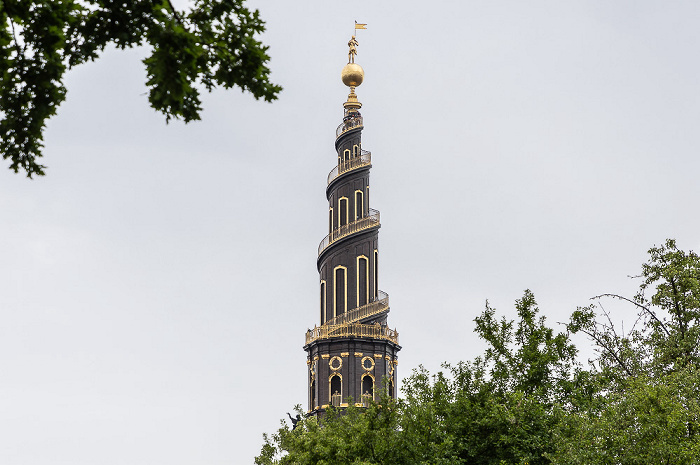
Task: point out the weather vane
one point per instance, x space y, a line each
353 44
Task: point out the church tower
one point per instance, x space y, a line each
352 353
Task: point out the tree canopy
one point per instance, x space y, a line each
212 44
529 400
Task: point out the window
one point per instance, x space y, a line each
376 273
342 211
330 220
355 151
340 293
313 394
346 156
367 389
362 281
335 386
323 301
359 205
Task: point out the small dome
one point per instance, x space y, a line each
352 75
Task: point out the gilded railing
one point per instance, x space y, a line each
335 399
375 331
379 305
365 159
366 400
350 123
361 224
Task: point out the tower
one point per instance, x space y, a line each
352 353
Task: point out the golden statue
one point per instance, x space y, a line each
353 44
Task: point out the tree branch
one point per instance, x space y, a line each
646 309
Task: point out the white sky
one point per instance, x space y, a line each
543 145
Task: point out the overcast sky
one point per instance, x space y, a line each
539 145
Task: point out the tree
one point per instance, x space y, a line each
647 381
666 337
213 44
500 408
651 420
528 400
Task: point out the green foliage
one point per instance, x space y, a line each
213 44
651 420
354 436
496 410
528 401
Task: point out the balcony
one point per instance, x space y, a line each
365 159
352 122
361 224
377 306
375 331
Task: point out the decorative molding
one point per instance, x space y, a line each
325 356
377 355
345 354
335 359
358 354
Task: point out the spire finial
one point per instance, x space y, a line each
353 74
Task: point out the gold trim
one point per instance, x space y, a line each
335 289
330 393
347 212
379 305
387 357
357 274
344 404
323 300
375 270
363 363
362 211
372 220
315 357
358 354
378 355
331 224
345 354
325 356
375 331
308 362
335 359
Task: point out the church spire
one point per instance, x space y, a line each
353 352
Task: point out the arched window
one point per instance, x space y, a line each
313 394
355 151
323 301
340 290
362 281
335 386
367 389
342 211
376 273
359 205
346 156
330 220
